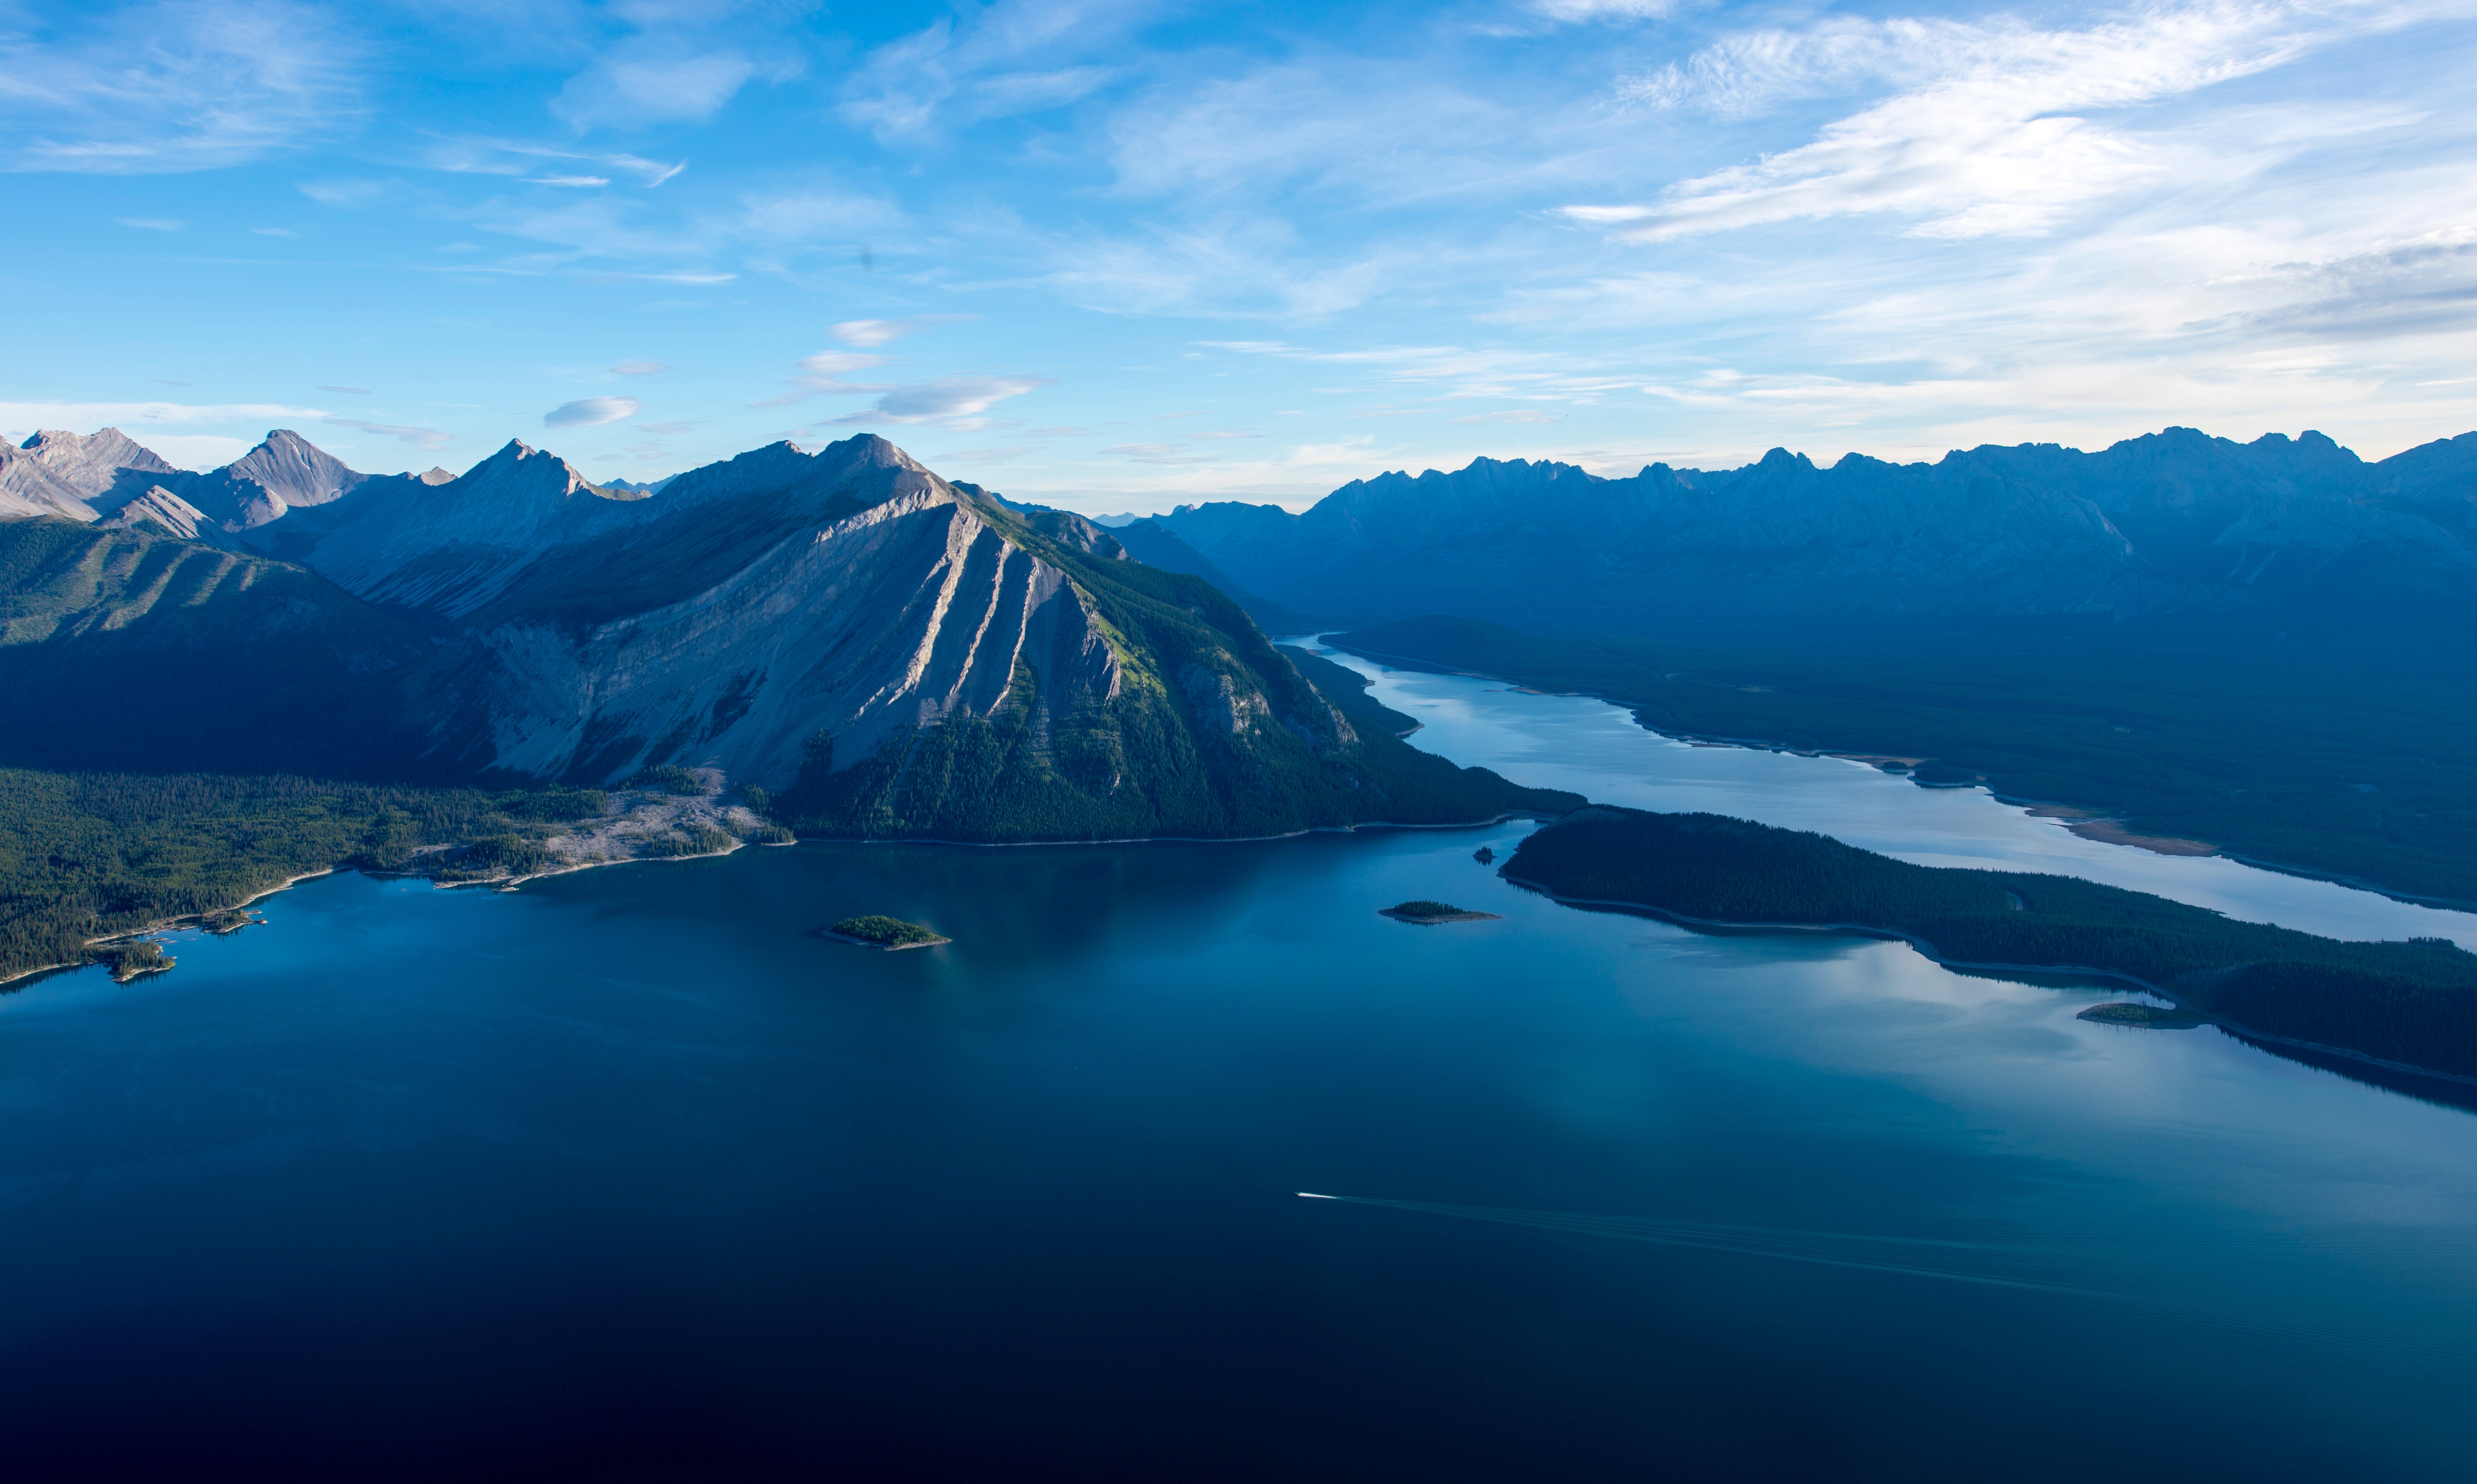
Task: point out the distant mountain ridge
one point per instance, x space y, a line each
893 654
2173 521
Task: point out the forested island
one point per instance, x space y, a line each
2409 1004
1425 912
876 930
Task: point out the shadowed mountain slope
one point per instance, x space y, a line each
129 648
2169 522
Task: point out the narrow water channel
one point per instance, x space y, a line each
1594 748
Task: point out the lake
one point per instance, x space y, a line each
629 1174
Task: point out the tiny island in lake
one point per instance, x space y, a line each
1427 914
878 931
2157 1017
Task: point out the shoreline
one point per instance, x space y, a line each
1927 951
882 947
510 883
163 925
1761 744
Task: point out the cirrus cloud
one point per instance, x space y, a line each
170 88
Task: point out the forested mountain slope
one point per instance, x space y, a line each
888 653
2170 522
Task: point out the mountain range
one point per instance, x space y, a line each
892 653
2171 523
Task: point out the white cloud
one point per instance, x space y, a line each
151 223
868 334
1988 137
838 362
950 400
575 182
824 373
640 368
590 411
173 87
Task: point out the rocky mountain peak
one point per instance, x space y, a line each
105 464
294 470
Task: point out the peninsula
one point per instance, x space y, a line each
2410 1005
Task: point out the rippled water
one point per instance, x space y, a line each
631 1175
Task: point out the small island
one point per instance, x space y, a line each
2157 1017
878 931
1428 914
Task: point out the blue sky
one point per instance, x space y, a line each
1121 256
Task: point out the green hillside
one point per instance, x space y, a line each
130 650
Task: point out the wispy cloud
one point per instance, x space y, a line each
1989 138
824 373
146 90
950 401
90 415
483 155
428 439
872 333
590 411
152 223
1013 58
1604 10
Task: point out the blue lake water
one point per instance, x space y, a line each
630 1175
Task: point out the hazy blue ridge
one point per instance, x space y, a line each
2174 521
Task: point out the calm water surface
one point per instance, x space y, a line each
1574 741
629 1176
